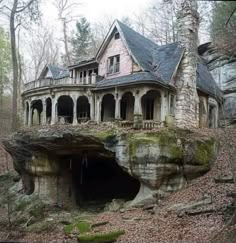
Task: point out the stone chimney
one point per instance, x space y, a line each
186 112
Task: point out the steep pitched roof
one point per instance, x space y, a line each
55 72
58 72
205 81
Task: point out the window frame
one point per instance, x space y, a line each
113 65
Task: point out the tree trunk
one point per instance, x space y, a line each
66 42
14 65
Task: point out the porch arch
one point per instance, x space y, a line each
65 107
127 106
108 108
83 108
151 105
37 108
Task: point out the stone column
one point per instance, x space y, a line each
25 114
163 106
186 111
30 115
91 102
117 107
98 109
138 116
44 115
75 121
54 112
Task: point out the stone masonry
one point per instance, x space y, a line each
186 112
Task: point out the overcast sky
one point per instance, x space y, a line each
96 10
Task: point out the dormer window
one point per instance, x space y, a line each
114 64
117 35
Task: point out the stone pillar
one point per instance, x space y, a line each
30 115
75 121
54 112
92 104
138 116
44 115
117 107
186 111
25 114
98 109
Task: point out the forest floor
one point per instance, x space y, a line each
161 223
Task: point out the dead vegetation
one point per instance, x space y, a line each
207 208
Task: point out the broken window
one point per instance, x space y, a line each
114 64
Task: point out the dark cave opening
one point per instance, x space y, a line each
96 181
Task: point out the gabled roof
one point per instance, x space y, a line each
55 71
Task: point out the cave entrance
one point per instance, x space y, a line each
97 181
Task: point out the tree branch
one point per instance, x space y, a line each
230 16
26 6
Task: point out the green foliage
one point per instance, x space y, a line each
223 35
81 227
81 42
5 60
101 237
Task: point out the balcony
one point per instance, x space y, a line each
48 82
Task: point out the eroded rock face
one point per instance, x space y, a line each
223 70
162 161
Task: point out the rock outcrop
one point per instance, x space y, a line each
223 70
162 161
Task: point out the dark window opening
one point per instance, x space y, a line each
90 76
84 77
117 35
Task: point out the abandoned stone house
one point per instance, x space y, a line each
131 80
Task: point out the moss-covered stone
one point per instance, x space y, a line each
204 152
100 237
80 227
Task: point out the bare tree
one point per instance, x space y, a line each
66 10
17 11
42 49
158 22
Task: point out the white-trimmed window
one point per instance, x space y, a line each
113 64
